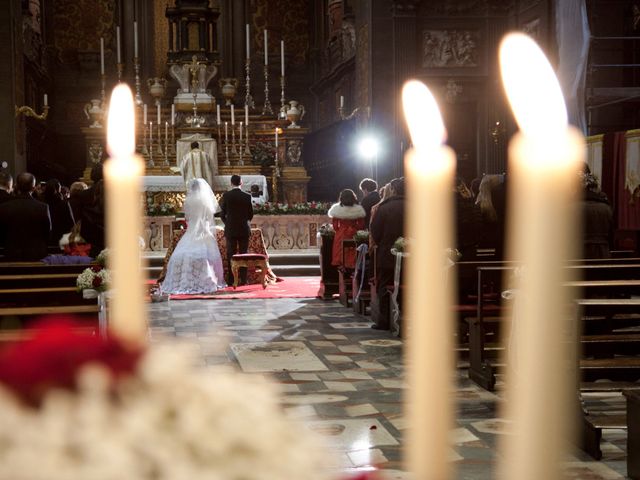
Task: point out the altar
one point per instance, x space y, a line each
221 183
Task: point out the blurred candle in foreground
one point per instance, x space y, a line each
123 184
544 161
430 170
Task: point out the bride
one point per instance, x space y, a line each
196 265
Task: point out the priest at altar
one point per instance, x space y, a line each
197 163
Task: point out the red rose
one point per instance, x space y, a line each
53 355
96 268
97 281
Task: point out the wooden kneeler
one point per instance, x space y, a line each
256 261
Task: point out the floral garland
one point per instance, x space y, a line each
76 406
326 230
305 208
96 278
361 236
160 209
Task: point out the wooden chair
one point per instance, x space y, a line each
255 261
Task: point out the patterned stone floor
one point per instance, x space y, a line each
345 381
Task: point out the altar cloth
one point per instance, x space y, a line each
221 183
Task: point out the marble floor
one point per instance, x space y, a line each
345 381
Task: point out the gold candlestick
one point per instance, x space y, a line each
136 67
248 99
267 103
30 112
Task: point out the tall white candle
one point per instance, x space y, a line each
173 114
118 54
246 115
46 100
276 138
135 39
240 132
158 107
233 116
218 114
226 133
123 184
544 161
166 132
430 170
266 49
282 57
247 40
144 114
150 132
341 101
102 55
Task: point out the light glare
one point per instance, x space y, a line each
121 123
423 116
532 87
368 147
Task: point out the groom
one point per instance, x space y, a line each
236 211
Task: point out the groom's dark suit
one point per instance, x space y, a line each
236 212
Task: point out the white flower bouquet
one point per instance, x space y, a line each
95 278
103 257
115 414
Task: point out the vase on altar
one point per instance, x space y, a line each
228 87
94 112
157 87
295 112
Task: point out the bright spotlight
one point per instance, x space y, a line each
368 147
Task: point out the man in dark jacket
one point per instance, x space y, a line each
6 187
387 225
236 213
597 219
25 223
369 189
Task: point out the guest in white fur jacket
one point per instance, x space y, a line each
348 218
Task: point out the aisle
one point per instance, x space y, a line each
343 379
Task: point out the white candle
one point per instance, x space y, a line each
173 114
135 39
282 57
158 107
246 115
122 176
247 39
226 133
144 113
341 101
544 160
233 116
118 54
266 49
240 131
276 138
102 55
150 132
218 114
166 132
46 100
430 170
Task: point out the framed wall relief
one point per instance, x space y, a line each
452 51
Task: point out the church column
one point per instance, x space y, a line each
11 78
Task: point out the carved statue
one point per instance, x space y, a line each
193 77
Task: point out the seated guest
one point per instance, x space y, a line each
6 187
257 197
75 199
61 216
24 223
348 218
93 220
386 226
597 218
370 197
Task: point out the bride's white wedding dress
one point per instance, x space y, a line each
195 265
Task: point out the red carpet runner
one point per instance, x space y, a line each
289 287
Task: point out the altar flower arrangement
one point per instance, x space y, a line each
93 278
160 209
303 208
79 407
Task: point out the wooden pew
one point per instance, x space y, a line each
618 279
